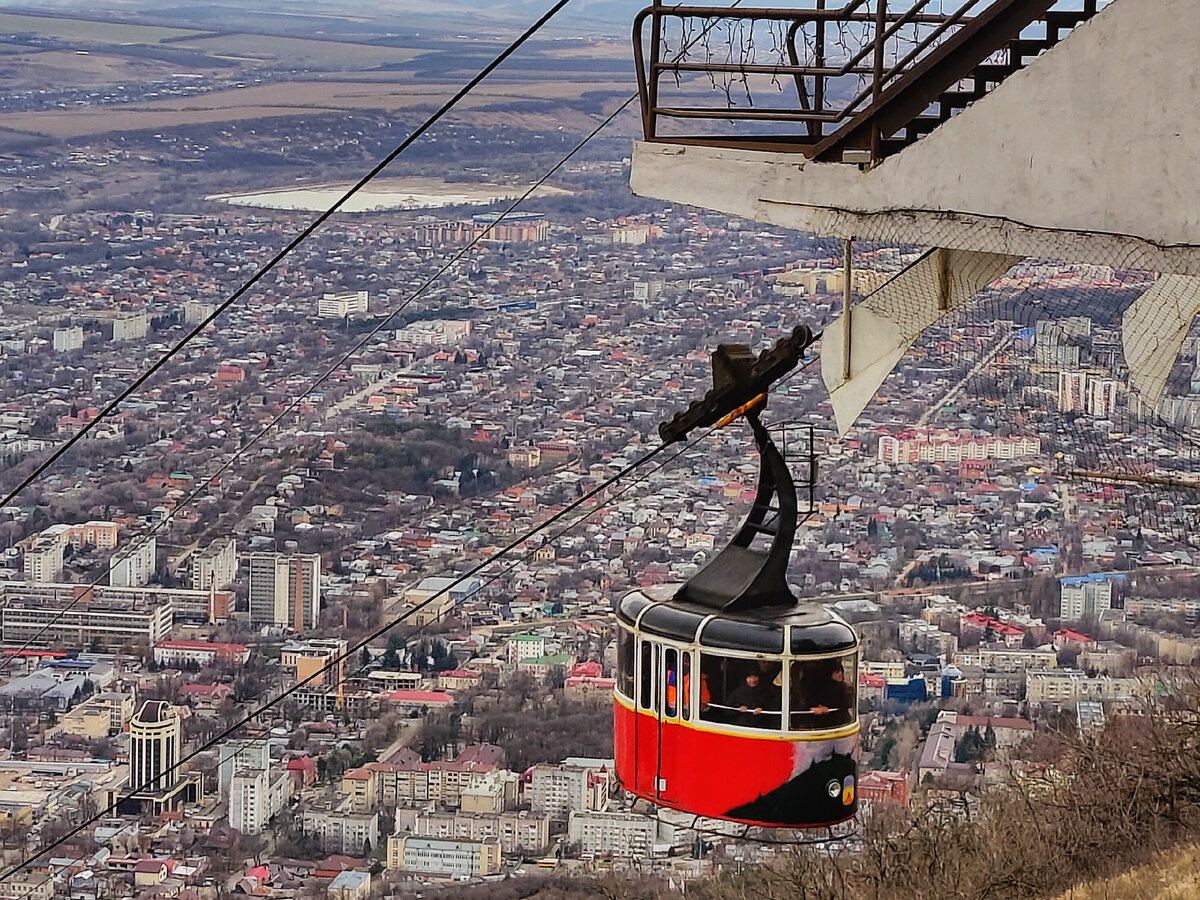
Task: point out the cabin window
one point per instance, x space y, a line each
670 682
743 692
822 692
685 661
625 647
647 666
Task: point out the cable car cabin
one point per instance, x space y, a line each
749 718
733 699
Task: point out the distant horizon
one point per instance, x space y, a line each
610 18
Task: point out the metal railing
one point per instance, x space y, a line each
823 69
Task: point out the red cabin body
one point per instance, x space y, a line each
680 745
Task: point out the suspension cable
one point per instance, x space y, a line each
291 407
388 626
295 242
337 660
367 337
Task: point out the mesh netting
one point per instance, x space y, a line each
1077 378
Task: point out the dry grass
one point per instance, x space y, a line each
291 99
592 50
58 70
1173 875
86 31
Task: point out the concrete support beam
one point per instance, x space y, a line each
855 361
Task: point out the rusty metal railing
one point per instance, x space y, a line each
840 65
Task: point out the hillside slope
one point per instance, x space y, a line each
1173 875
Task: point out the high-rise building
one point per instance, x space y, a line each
255 791
216 566
285 590
1092 394
68 339
1085 596
559 790
345 303
1101 397
132 327
154 736
135 566
1070 391
155 779
196 311
647 291
44 558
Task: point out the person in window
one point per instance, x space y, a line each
705 693
748 698
827 694
770 677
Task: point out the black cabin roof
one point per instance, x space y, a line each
810 628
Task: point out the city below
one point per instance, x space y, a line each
325 607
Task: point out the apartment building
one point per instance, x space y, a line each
342 303
135 566
355 834
435 856
1072 685
1086 596
285 591
44 558
626 834
518 831
559 790
216 566
949 446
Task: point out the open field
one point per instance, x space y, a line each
88 32
346 64
290 99
591 50
61 68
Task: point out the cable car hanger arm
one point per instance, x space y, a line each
741 381
741 578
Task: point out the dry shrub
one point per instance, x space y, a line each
1104 804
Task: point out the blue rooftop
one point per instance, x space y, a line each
1093 578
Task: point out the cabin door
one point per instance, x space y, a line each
649 723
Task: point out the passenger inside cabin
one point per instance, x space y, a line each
747 696
829 694
756 699
739 692
821 698
770 674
